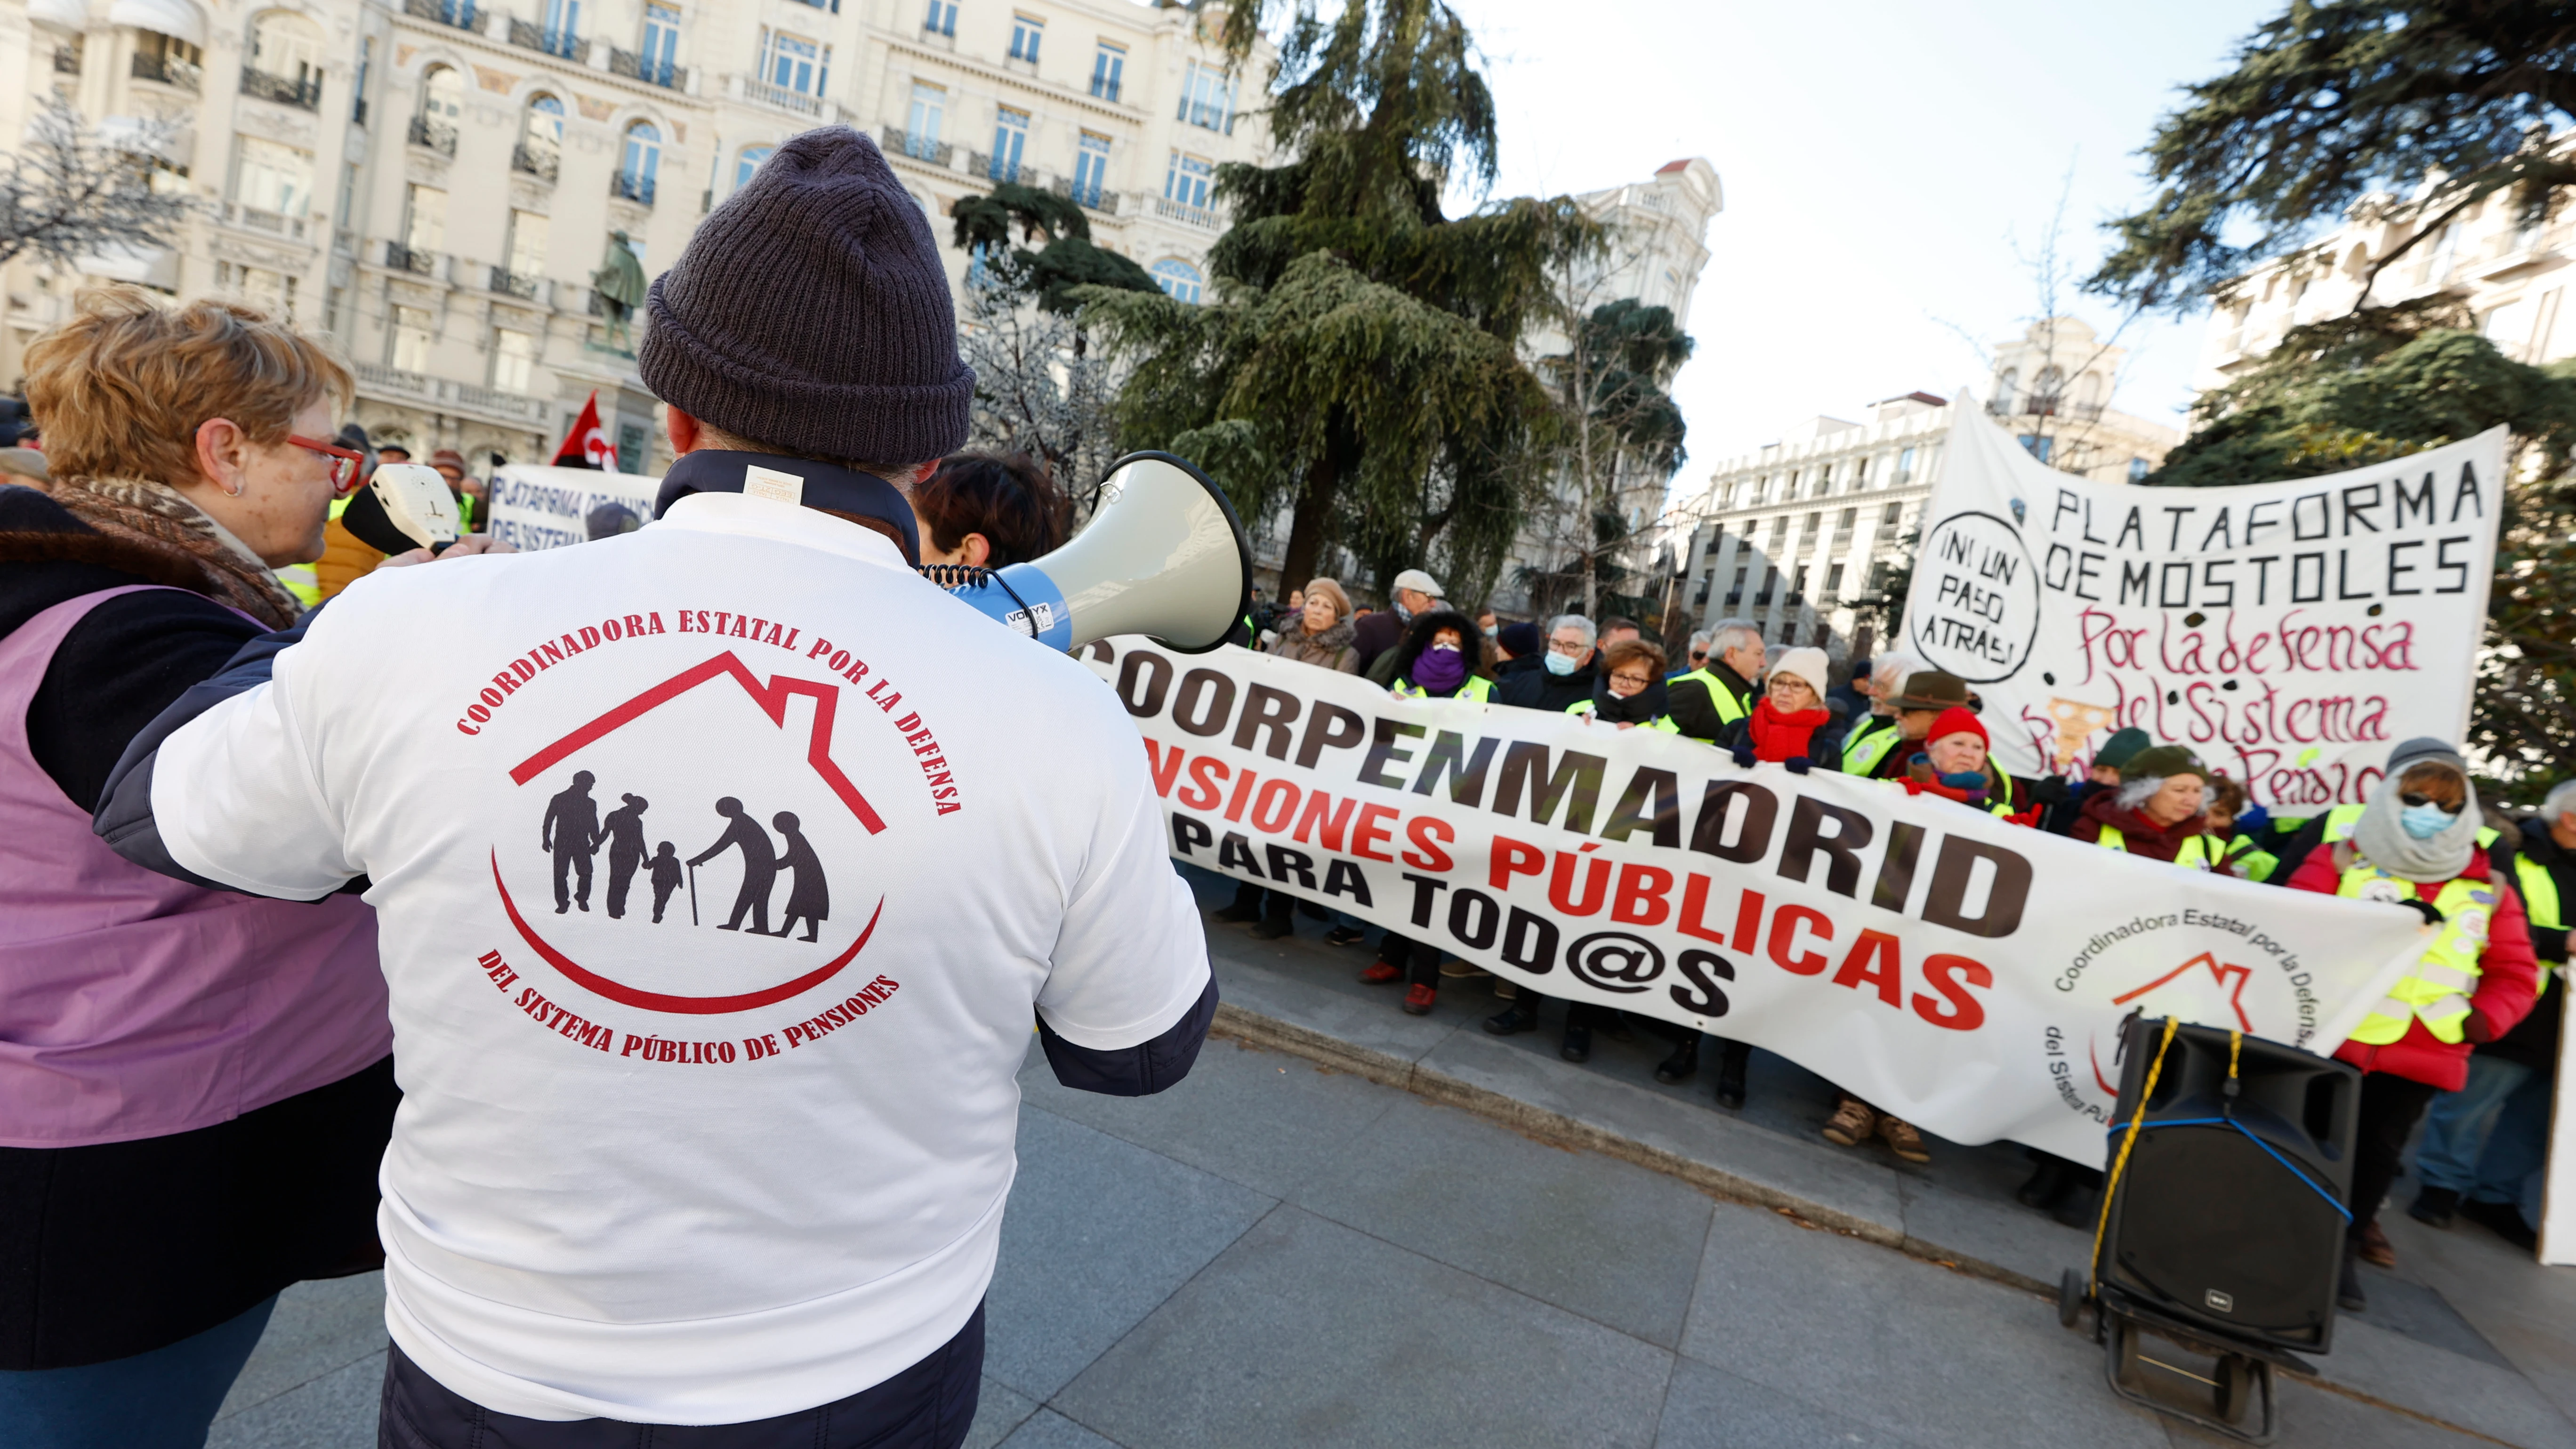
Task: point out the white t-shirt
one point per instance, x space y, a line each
666 1172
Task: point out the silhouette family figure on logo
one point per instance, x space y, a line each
574 831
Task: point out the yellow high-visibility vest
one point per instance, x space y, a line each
1477 688
1663 722
2437 991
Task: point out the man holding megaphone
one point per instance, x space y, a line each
670 1174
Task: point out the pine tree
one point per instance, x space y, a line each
1357 363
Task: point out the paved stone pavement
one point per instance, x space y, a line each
1281 1253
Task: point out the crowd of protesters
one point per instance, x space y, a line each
2458 1046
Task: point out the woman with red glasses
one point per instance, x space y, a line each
195 1086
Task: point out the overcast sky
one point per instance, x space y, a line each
1881 161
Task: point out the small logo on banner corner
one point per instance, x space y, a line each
1973 610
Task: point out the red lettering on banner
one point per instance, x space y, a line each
1277 793
1207 778
1965 1012
1875 960
1165 763
1427 854
1784 939
1514 857
1322 815
1641 899
1695 911
1243 784
1748 921
1596 882
1373 829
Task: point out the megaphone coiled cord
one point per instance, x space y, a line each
953 577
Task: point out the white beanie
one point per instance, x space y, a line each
1807 664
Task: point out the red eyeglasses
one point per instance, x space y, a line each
345 464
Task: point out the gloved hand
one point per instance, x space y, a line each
1799 764
2051 790
2425 909
1744 755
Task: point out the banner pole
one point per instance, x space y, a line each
693 895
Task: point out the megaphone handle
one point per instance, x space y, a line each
1026 613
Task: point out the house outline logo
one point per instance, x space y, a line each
2231 978
772 699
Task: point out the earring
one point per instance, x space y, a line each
234 491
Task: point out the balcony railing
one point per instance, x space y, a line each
542 162
651 72
1198 216
285 90
562 43
438 393
919 148
404 259
1104 88
1094 196
462 14
755 89
994 168
632 187
273 223
169 70
2043 406
358 111
438 136
67 60
510 284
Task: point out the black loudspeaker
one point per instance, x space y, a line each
2229 1215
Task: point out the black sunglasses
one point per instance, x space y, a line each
2410 799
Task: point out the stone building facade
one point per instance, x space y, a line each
434 182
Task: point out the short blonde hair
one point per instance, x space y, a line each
1333 595
120 388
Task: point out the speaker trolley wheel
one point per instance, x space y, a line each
2243 1404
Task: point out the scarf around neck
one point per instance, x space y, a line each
157 516
2384 842
1778 735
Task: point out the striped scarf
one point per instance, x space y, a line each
159 517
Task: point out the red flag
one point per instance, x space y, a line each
586 446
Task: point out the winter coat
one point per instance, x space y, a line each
1824 743
1328 650
2508 977
1538 689
2534 1040
1695 714
1375 633
1417 637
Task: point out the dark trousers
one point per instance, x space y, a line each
927 1406
571 860
1419 961
2390 1106
621 874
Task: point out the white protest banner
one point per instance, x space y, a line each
2288 632
1966 974
533 506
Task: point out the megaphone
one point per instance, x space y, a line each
403 507
1163 556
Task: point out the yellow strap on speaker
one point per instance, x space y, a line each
2137 1120
2235 1044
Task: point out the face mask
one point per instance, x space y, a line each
1439 669
2423 822
1558 664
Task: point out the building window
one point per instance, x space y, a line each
942 19
563 26
1090 168
1178 279
791 62
1025 35
1904 469
2138 470
271 292
1106 68
366 69
425 220
749 162
921 128
1207 98
1878 577
514 358
528 231
2038 446
272 177
640 163
407 347
661 42
1887 516
1188 179
1010 138
286 46
1834 581
349 197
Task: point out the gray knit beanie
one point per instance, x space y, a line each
810 312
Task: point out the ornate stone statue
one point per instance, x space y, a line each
620 285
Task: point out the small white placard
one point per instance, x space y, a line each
769 483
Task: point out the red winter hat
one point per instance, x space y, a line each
1958 720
